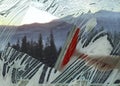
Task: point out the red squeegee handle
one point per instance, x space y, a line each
71 49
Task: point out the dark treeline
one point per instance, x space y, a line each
47 54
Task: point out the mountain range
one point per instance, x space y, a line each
108 20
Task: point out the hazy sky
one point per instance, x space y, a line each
16 9
93 5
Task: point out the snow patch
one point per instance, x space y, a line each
101 46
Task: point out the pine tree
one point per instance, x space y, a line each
53 50
52 44
28 48
24 44
35 50
31 48
46 53
40 47
50 51
18 45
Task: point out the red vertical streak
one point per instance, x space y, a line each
71 48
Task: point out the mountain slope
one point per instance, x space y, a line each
16 67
